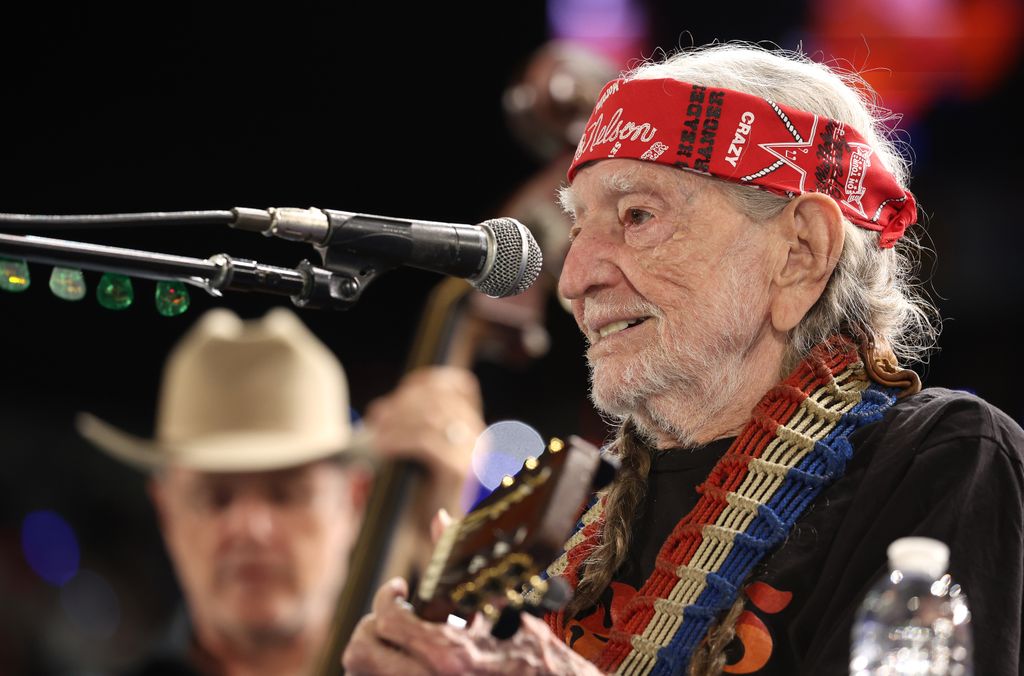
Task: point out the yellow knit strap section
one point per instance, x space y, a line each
742 503
770 468
669 607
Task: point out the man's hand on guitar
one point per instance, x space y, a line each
392 640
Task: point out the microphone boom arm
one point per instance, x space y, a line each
499 257
339 285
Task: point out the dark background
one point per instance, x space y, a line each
147 107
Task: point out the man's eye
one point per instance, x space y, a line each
638 216
290 493
213 498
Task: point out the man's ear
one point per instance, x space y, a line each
811 227
157 490
158 496
360 481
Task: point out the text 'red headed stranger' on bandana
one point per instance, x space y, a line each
748 140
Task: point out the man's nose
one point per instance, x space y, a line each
250 516
590 263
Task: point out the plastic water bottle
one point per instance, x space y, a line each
914 620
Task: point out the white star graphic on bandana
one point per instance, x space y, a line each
786 152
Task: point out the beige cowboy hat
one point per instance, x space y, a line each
241 396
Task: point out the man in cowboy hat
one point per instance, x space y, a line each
258 481
739 269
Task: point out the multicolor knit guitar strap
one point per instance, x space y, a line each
796 444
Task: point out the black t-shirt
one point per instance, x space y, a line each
176 653
940 464
671 492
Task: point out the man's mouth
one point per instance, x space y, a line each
621 325
252 571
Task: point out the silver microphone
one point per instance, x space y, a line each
499 257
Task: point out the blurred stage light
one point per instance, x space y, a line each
502 448
916 53
615 28
49 546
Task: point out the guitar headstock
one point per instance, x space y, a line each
483 561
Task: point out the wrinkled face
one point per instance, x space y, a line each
669 285
260 556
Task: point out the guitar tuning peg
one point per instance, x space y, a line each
510 618
507 624
556 593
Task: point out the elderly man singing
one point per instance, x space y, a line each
739 268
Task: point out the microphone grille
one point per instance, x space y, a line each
517 259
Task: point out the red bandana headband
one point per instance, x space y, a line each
748 140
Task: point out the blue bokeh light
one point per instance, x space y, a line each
50 546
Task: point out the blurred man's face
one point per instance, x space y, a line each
260 556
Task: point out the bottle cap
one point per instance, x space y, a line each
920 555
